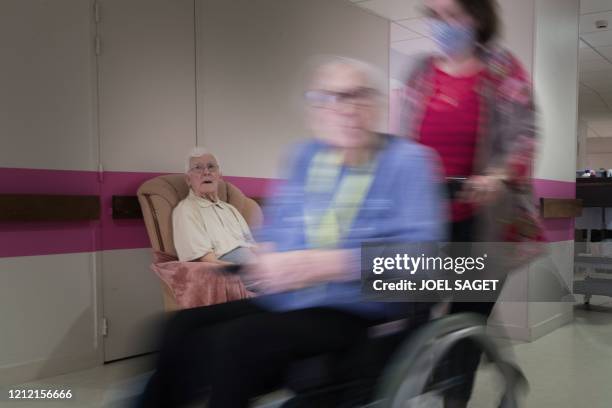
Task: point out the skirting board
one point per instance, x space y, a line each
34 370
533 333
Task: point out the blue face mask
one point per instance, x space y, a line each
453 40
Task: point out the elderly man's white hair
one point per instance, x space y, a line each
374 76
197 152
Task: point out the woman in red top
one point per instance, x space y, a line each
472 103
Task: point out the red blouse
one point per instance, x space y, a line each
450 126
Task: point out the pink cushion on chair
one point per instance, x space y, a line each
195 284
189 284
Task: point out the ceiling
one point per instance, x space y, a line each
595 53
408 29
409 36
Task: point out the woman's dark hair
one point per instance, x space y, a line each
485 13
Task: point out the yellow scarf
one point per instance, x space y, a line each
325 228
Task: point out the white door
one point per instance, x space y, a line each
146 69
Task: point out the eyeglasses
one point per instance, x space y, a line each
359 97
199 168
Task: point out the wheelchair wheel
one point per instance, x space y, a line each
406 382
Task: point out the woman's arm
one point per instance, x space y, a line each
513 163
513 133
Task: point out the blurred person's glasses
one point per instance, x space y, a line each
199 168
358 97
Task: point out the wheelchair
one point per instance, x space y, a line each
408 379
409 372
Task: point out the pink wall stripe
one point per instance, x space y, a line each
554 189
26 239
561 229
122 234
125 234
29 239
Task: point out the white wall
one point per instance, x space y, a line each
555 77
518 28
47 103
49 120
147 84
49 305
49 309
544 317
147 124
598 153
250 83
599 160
144 85
556 87
556 84
132 303
581 155
529 320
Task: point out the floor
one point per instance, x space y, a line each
569 368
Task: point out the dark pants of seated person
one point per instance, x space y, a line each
464 357
235 351
356 372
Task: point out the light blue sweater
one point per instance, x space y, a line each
404 204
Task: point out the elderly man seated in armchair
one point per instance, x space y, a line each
205 228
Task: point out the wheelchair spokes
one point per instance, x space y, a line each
413 379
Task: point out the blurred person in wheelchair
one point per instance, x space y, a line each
348 185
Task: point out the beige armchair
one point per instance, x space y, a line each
160 195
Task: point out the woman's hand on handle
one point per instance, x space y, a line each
482 190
